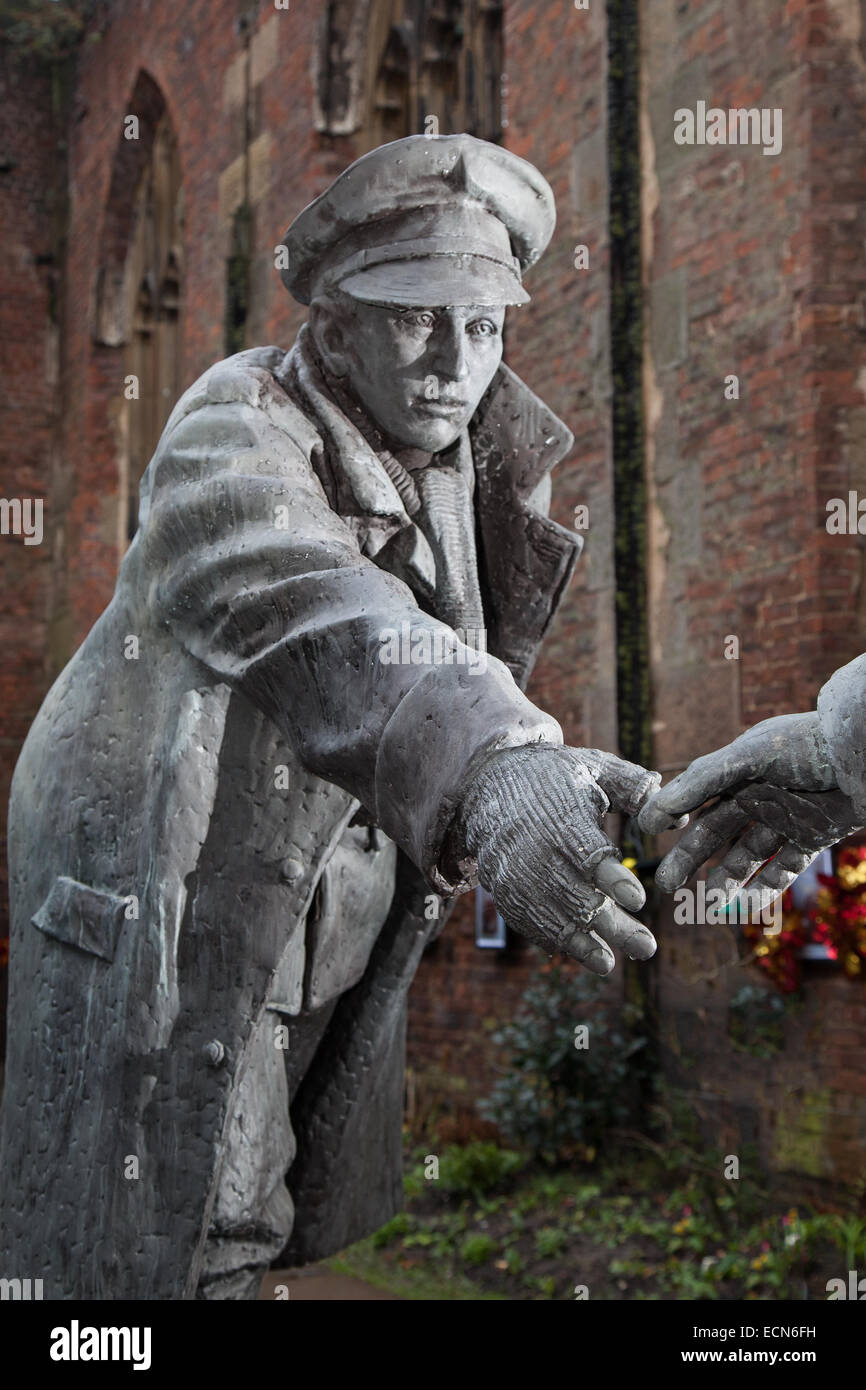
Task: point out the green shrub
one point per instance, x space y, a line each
472 1169
399 1225
554 1098
756 1020
477 1249
550 1241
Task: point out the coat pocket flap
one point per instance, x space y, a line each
88 918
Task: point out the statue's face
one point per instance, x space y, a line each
420 373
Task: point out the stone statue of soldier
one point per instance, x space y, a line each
235 822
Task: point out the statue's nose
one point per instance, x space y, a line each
449 357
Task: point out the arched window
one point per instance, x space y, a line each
389 114
383 67
154 280
137 307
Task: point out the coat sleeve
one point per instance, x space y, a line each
245 561
842 716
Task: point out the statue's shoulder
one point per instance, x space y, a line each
249 378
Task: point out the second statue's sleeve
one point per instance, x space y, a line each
842 716
257 577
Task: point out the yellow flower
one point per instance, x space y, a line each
852 875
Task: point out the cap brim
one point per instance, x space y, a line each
436 281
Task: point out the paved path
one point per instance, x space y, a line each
318 1283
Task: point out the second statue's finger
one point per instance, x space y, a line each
703 838
778 876
706 777
755 846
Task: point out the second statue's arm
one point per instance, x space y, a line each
787 789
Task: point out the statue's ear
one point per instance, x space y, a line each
327 325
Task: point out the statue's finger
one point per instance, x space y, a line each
785 869
754 847
705 778
626 785
596 859
590 950
654 819
616 881
702 839
625 932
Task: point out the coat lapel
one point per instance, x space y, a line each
526 559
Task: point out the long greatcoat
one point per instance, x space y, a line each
178 799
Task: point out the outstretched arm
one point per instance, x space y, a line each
265 585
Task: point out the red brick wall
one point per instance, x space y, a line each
31 185
754 266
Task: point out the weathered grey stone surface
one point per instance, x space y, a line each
842 716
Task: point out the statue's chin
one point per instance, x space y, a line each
430 434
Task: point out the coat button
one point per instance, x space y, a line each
214 1053
291 870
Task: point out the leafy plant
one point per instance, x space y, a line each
553 1097
476 1168
847 1233
399 1225
756 1019
545 1285
650 1229
477 1249
550 1241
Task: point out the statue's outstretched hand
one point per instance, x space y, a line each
532 820
779 801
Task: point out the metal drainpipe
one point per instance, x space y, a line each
629 475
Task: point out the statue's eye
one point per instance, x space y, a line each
483 328
419 318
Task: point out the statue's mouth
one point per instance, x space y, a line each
446 409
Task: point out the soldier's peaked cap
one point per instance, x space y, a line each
427 221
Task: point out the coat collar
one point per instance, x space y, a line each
529 439
527 559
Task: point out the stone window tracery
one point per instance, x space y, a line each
384 67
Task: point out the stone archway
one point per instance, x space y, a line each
136 317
